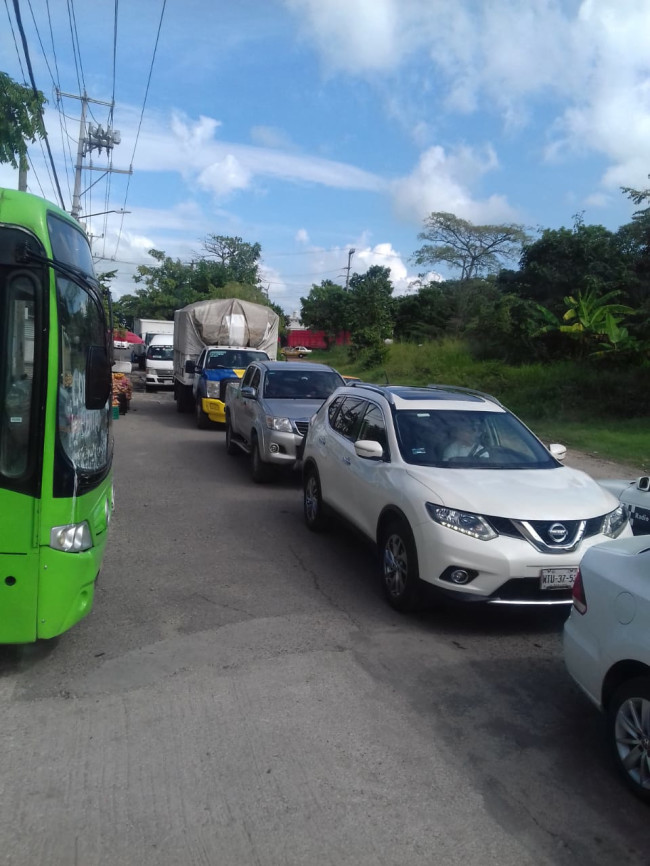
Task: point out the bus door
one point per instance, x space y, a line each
21 437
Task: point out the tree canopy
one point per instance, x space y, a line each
21 120
171 284
326 308
474 250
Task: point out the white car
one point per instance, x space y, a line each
607 648
635 496
500 520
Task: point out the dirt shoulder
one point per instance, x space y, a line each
600 468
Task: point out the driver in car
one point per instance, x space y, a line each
466 440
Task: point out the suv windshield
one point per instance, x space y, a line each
480 440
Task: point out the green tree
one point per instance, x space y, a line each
21 120
473 250
424 315
565 261
593 321
370 315
326 308
236 260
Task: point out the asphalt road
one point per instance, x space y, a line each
241 694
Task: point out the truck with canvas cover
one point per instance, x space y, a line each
214 342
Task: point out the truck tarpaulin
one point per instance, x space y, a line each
227 322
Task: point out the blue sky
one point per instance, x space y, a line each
316 126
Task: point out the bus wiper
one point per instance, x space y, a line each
25 254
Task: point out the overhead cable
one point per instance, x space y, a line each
144 103
21 29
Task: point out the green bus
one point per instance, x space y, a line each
56 494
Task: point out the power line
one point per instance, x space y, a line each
13 33
144 103
54 80
21 30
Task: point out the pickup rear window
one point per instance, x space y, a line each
233 359
301 385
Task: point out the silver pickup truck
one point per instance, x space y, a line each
268 411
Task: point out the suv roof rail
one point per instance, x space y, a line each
379 389
466 391
387 390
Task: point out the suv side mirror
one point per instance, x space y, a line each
369 449
558 451
247 391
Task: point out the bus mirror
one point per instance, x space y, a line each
98 377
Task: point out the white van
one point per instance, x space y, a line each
160 362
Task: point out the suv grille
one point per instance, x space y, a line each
547 535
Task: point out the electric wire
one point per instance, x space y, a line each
28 61
63 117
74 48
13 33
54 82
144 103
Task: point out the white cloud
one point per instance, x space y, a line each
224 176
441 182
598 200
352 36
271 136
585 63
191 148
302 236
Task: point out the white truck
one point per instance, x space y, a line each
202 333
159 362
146 328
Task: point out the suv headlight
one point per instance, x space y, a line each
212 390
462 521
614 522
282 425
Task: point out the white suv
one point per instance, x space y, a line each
607 648
456 492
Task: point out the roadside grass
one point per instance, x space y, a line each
599 409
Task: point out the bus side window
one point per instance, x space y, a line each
18 375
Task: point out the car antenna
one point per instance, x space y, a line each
386 377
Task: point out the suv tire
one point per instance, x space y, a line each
313 507
398 562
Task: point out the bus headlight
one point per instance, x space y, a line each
72 538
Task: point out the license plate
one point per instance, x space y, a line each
557 578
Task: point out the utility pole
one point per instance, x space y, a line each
351 252
94 137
